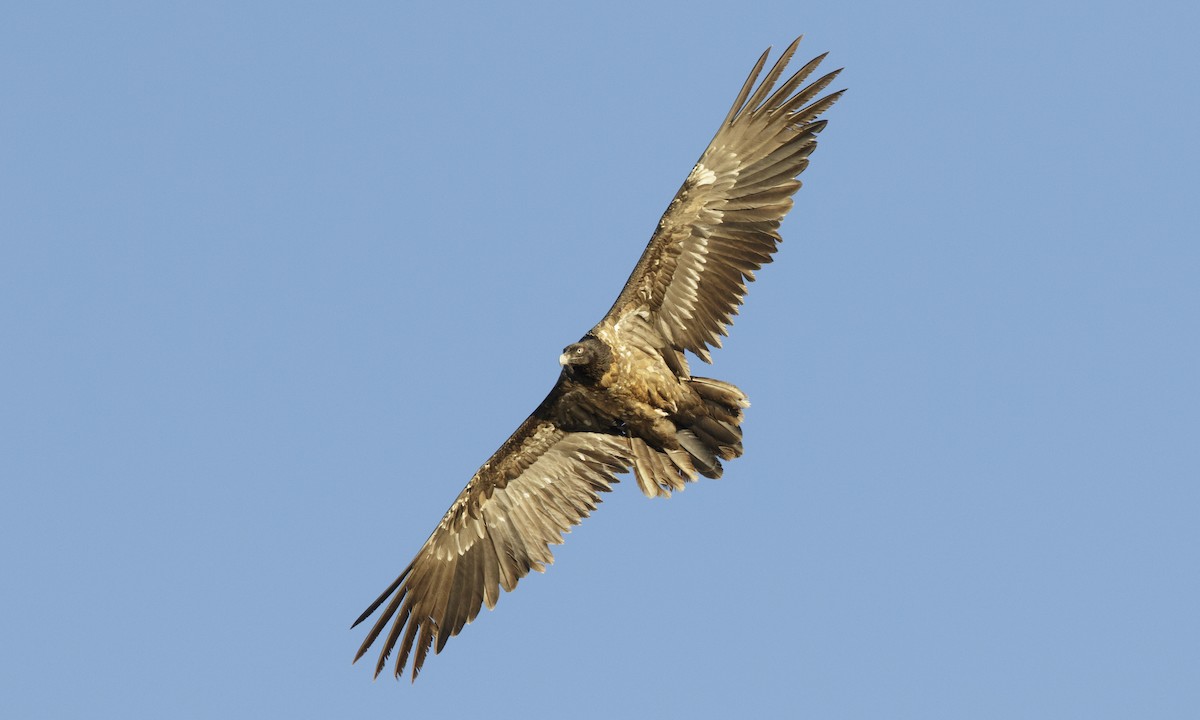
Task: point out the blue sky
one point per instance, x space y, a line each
276 278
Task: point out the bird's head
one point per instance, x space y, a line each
586 360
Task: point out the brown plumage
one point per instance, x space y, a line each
625 399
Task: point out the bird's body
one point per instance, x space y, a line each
625 398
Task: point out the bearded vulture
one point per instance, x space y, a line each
625 399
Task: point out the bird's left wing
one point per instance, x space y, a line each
724 222
541 482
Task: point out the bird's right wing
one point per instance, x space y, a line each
544 479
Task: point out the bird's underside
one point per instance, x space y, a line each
625 400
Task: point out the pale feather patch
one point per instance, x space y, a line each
702 176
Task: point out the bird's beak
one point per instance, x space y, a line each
564 360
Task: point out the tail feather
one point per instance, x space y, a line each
722 398
702 454
719 426
706 434
724 438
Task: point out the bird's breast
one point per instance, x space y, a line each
642 378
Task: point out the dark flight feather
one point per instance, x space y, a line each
626 400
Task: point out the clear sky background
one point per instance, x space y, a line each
275 278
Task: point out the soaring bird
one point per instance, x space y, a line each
625 398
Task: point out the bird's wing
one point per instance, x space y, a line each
541 482
723 224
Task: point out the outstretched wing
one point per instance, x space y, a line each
724 222
541 482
